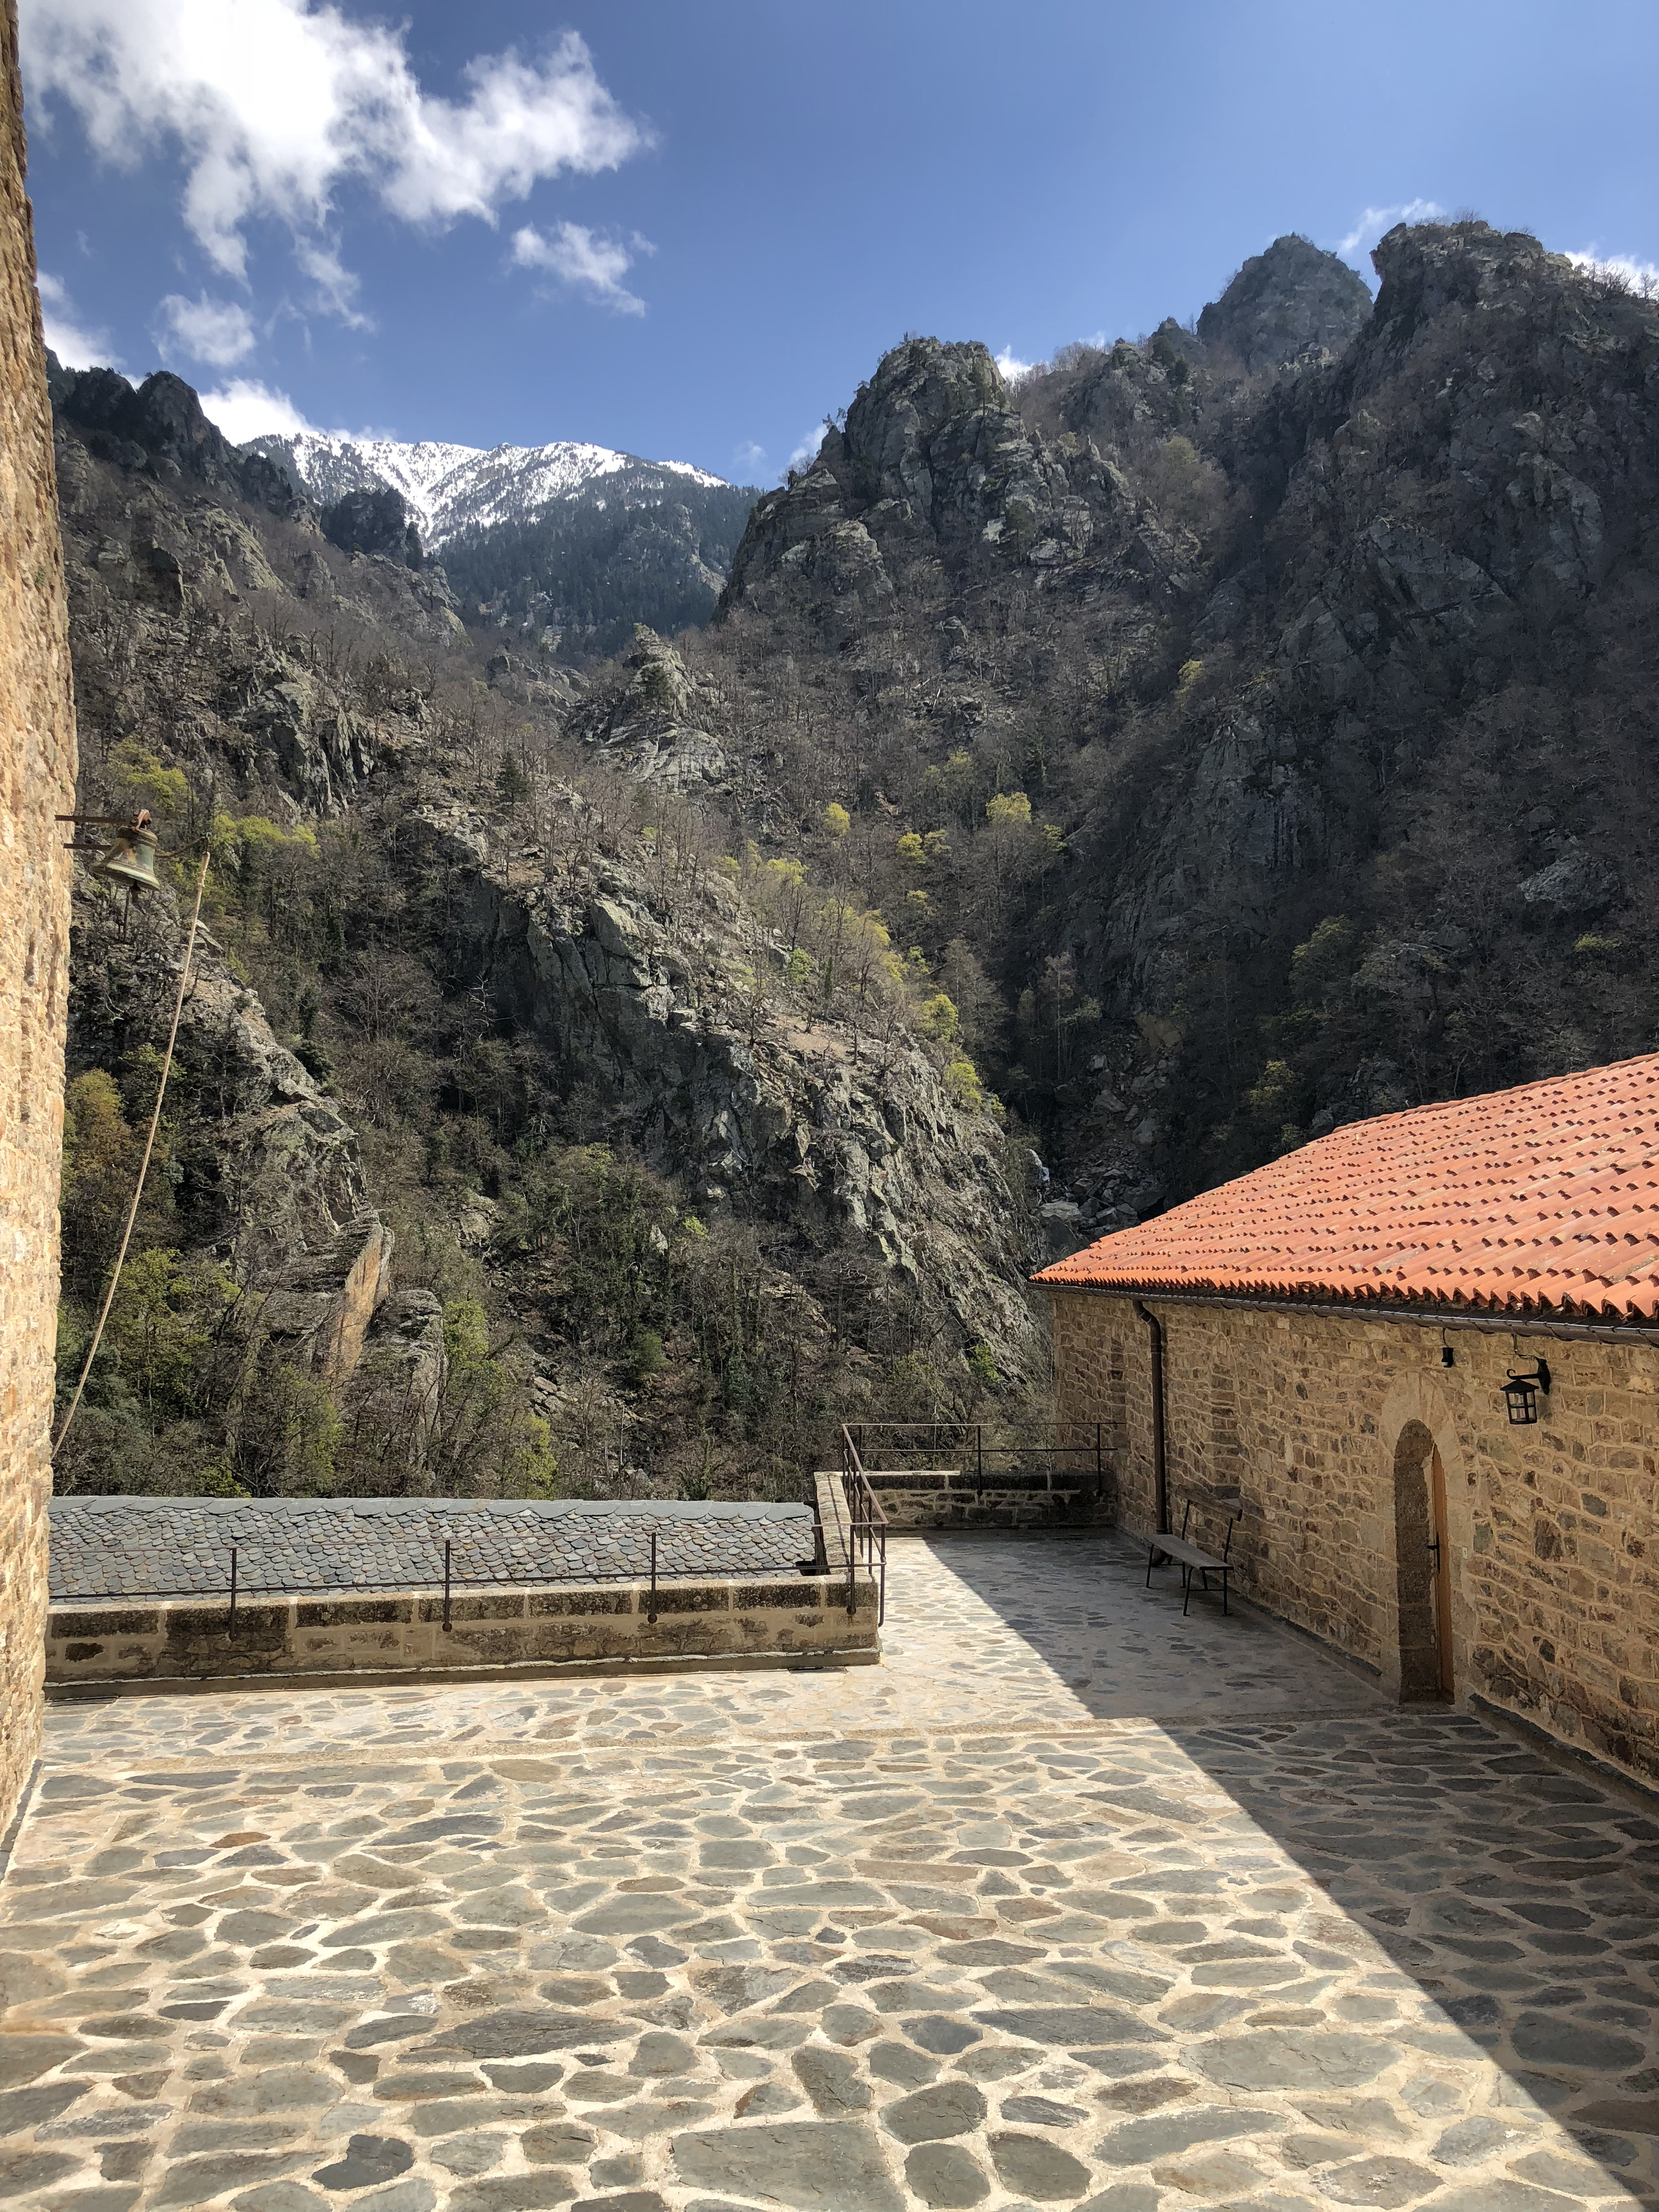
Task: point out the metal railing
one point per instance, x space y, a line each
448 1580
866 1528
1078 1447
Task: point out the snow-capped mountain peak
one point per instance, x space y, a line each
450 489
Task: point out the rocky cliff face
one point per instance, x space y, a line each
1311 631
934 458
160 429
642 994
480 1000
1290 304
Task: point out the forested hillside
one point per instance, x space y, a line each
1084 791
1317 643
508 1150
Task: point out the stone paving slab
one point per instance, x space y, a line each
181 1546
983 1631
432 1960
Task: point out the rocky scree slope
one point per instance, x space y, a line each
1251 718
500 1135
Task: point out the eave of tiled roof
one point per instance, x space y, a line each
1542 1200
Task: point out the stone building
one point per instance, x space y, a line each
37 781
1318 1354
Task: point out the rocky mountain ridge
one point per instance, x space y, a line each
449 489
1313 632
498 1145
567 546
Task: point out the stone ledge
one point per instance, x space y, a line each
401 1633
815 1660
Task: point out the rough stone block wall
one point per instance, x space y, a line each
800 1620
37 780
1100 1361
1552 1535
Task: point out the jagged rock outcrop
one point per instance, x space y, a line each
320 1307
164 529
745 1104
1290 303
160 427
934 453
281 1181
373 520
654 729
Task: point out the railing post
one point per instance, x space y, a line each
230 1632
979 1452
651 1617
446 1586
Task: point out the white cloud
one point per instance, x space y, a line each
337 288
216 331
1642 277
1013 368
1372 221
244 408
74 345
275 104
747 462
584 259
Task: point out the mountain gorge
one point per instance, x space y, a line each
608 1067
501 1153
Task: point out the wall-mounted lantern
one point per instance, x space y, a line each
1521 1394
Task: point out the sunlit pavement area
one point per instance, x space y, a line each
1068 1902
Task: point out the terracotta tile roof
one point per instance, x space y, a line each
1542 1197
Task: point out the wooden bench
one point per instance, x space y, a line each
1168 1550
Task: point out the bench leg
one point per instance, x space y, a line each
1186 1590
1224 1592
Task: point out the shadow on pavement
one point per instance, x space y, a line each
1522 1898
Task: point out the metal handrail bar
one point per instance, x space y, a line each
867 1524
963 1427
1091 1452
442 1579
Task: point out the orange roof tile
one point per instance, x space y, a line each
1544 1198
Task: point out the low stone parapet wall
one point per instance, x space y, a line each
958 1498
799 1620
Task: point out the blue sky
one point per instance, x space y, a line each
689 229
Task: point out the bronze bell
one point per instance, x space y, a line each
129 858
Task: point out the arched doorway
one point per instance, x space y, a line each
1423 1567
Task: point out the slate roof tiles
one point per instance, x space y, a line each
1541 1198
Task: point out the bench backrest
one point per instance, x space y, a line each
1214 1508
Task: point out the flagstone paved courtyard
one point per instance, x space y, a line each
1068 1903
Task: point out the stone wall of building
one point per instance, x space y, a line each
1551 1529
37 780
